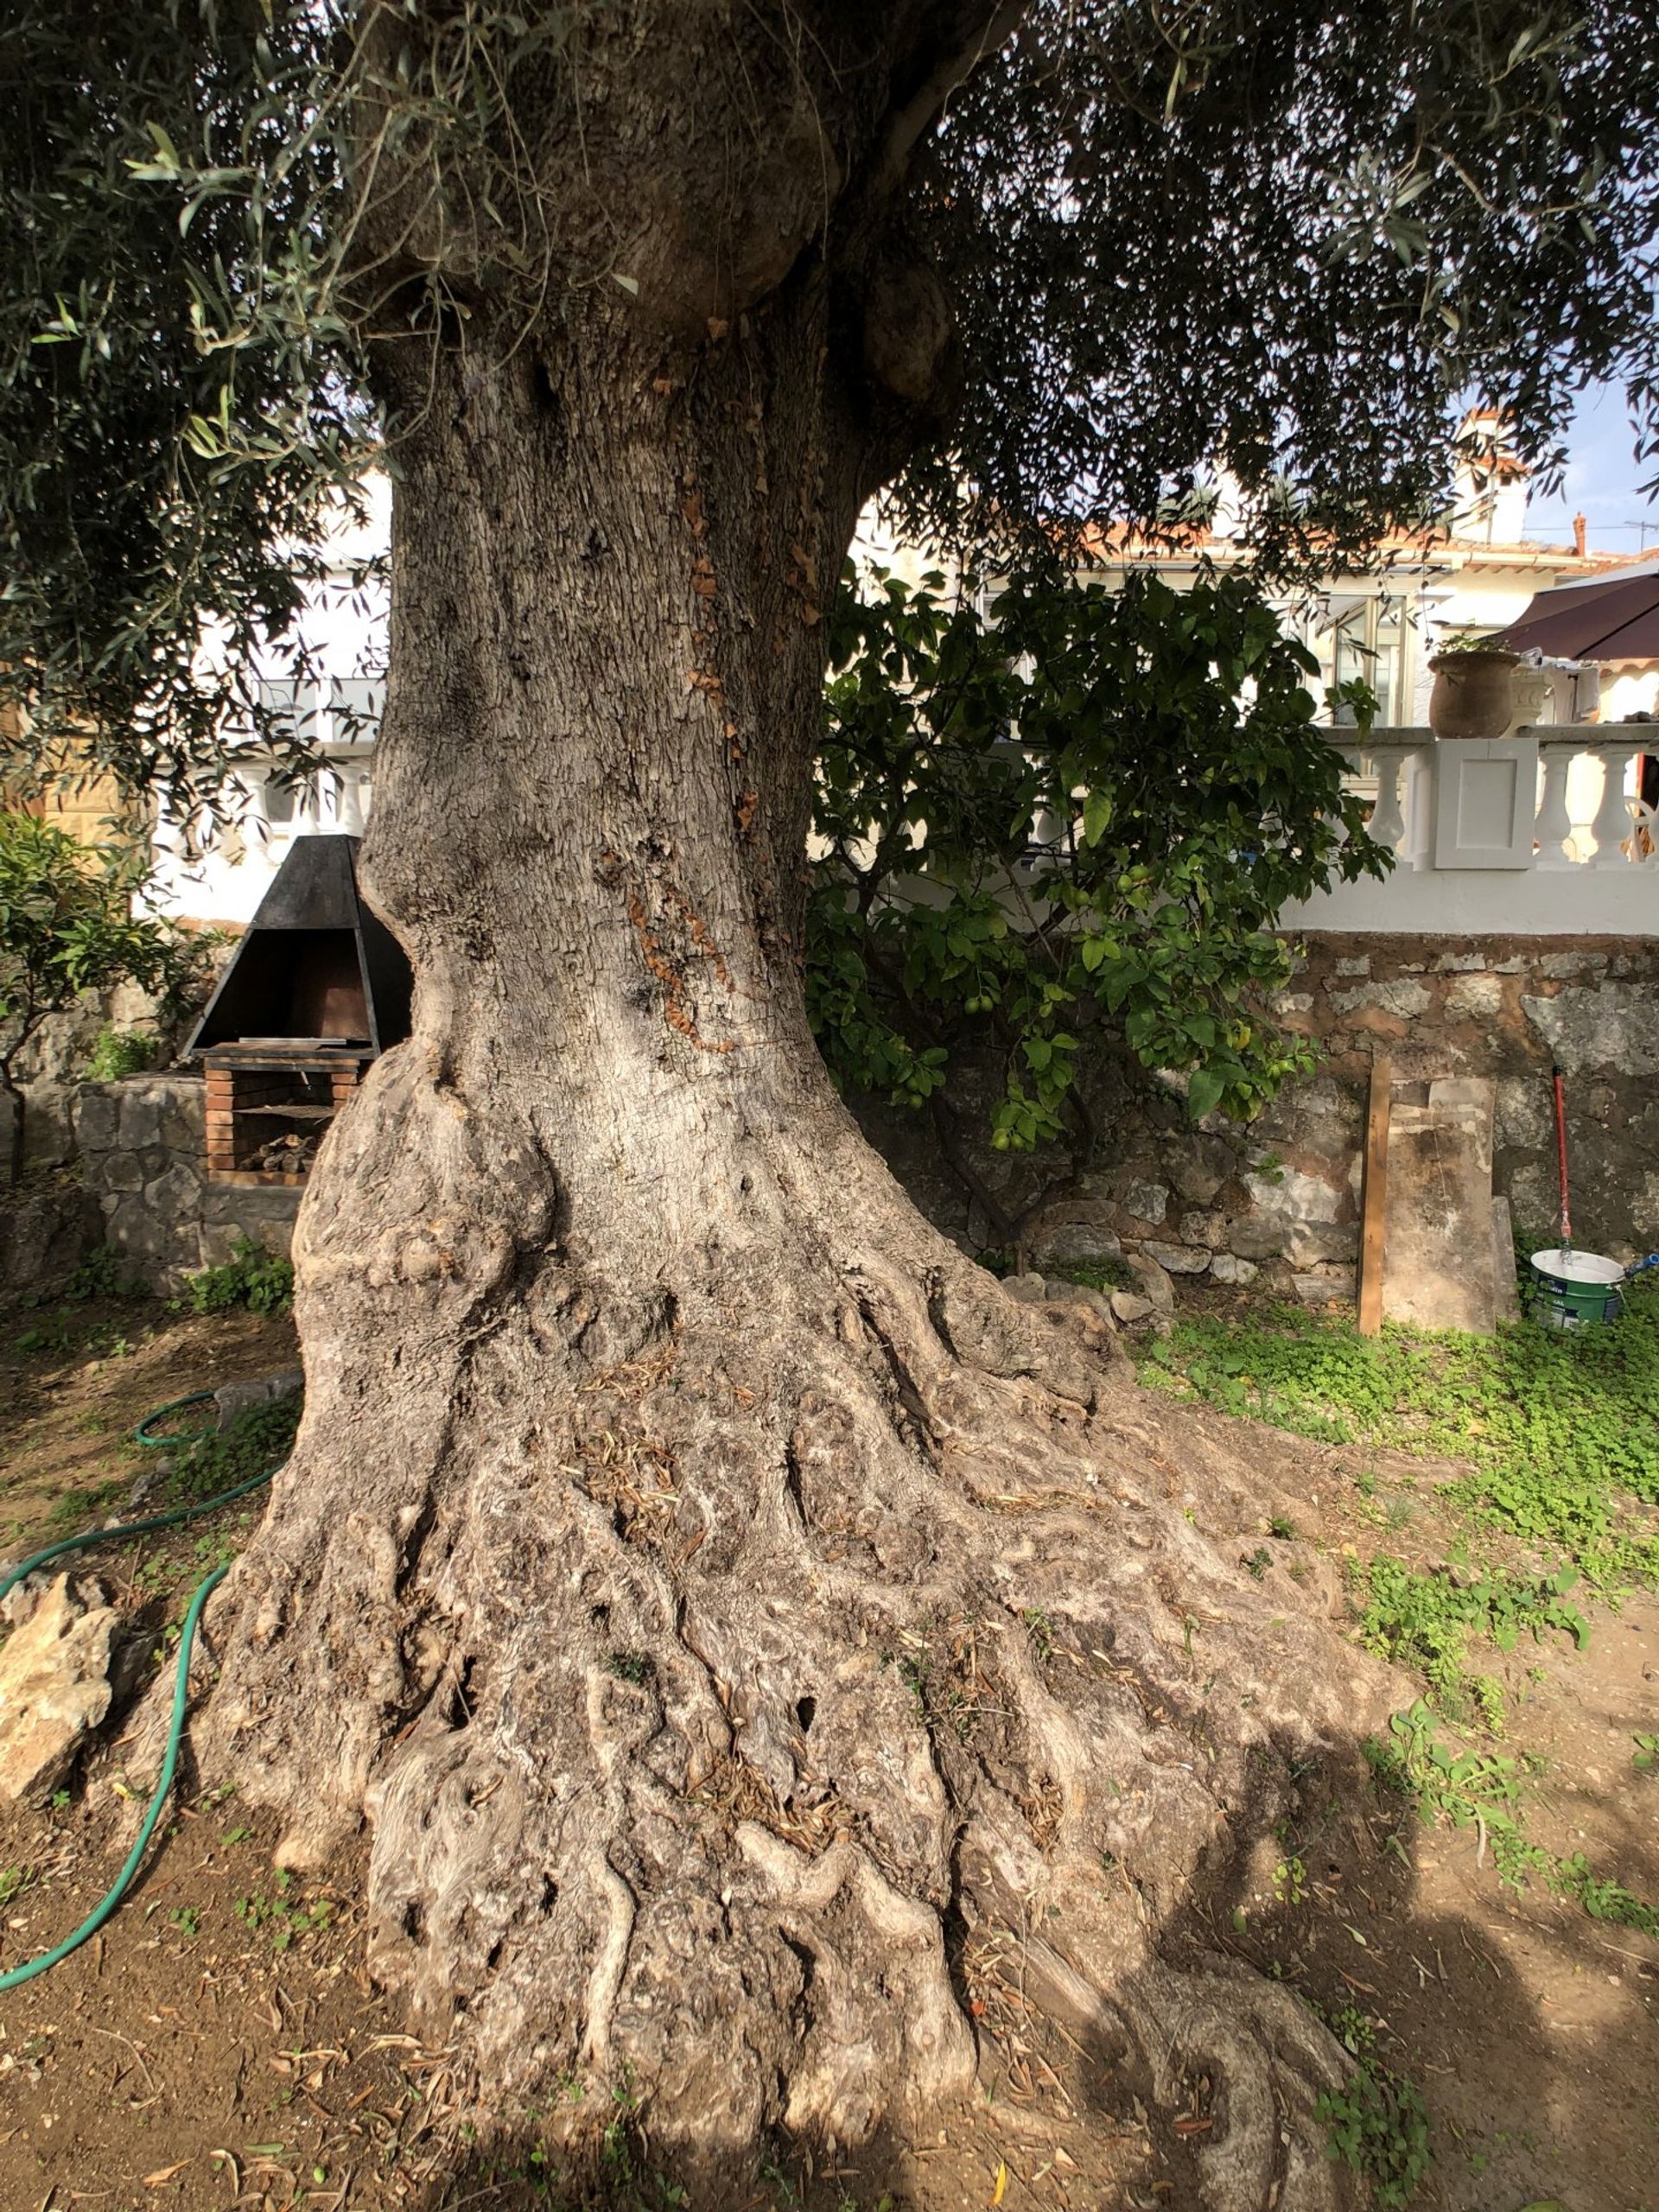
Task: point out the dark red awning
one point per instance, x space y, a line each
1610 621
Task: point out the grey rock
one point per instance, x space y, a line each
1294 1196
122 1170
1560 966
1283 1002
1154 1284
1080 1294
1523 1113
54 1688
1405 999
96 1118
1146 1202
1603 1026
1226 1267
1361 966
234 1398
1179 1259
1309 1242
1129 1305
1209 1230
141 1116
1258 1237
1026 1290
1075 1228
1199 1168
1479 995
1320 1286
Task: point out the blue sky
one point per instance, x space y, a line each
1602 476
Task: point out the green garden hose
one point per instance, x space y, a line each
101 1912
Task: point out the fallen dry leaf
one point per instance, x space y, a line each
162 2175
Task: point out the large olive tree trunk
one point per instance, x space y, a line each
715 1593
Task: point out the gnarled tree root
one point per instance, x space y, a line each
707 1663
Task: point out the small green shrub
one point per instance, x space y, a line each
1379 2126
118 1053
105 1272
257 1440
252 1276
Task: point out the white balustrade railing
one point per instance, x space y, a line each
264 813
1541 833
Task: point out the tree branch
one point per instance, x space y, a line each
911 122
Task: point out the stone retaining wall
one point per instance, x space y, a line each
141 1143
1224 1204
1214 1203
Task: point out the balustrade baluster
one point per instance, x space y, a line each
1554 828
1612 826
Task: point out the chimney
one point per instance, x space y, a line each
1579 527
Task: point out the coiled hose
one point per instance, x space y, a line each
102 1911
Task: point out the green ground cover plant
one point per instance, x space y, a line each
253 1276
1559 1437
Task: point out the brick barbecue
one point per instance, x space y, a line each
319 987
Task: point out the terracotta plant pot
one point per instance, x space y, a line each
1473 694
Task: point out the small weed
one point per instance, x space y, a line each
14 1880
54 1335
1040 1630
252 1276
1283 1528
1645 1757
187 1919
1256 1564
1379 2123
1111 1271
281 1915
1485 1790
105 1272
1290 1879
1426 1620
1379 2126
632 1666
258 1439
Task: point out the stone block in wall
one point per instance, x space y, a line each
1479 995
1290 1195
140 1111
96 1119
120 1171
1310 1243
1209 1230
1075 1228
1177 1259
1403 999
1147 1202
162 1245
1599 1026
264 1212
1227 1267
1258 1237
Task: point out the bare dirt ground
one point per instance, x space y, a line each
219 2045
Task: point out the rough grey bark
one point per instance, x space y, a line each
656 1568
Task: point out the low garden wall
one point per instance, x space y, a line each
1224 1204
1217 1204
142 1147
